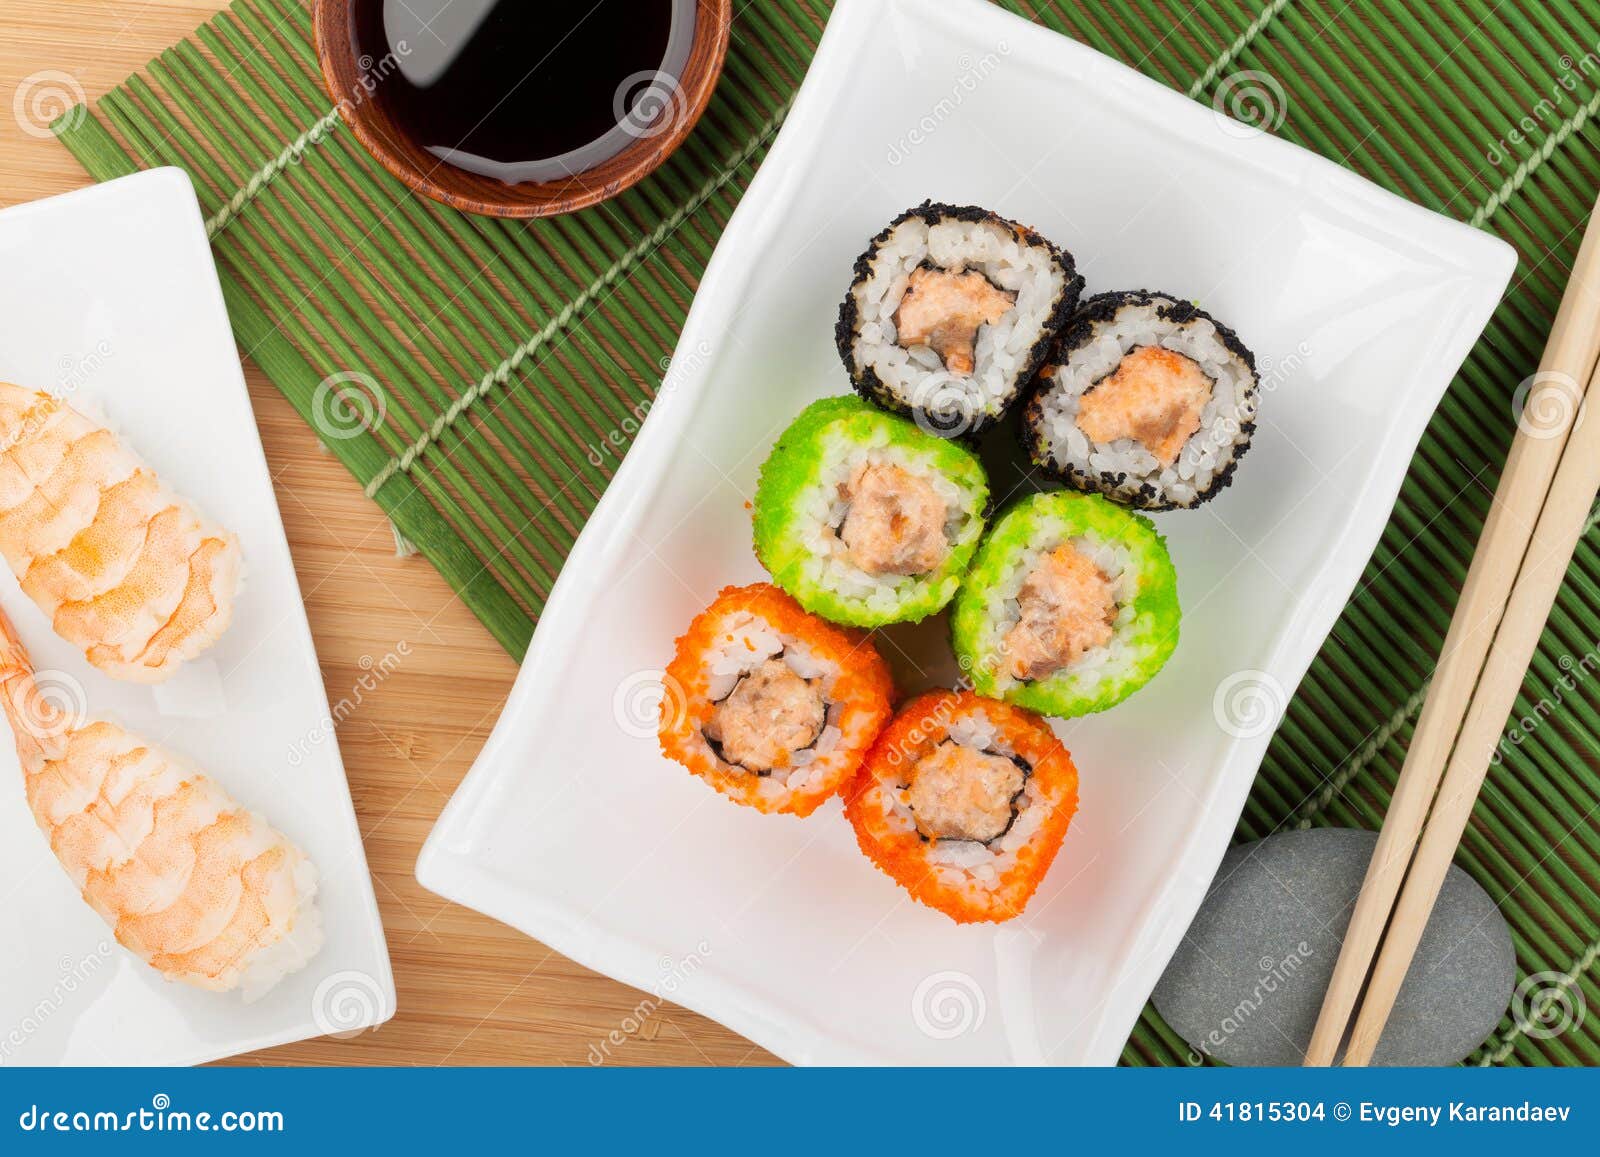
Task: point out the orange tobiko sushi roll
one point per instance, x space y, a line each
770 705
964 802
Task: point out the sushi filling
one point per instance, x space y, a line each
883 519
1063 611
958 792
1150 402
770 714
1154 397
773 714
1066 608
972 800
944 311
894 522
947 316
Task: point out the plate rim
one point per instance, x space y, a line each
172 184
1486 260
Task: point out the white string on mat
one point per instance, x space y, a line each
501 374
1240 43
267 173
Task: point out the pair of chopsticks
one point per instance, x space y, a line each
1538 514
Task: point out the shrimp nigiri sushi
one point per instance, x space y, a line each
202 890
124 569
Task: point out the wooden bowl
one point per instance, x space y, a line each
472 193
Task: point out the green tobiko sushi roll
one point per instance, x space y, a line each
1070 607
865 518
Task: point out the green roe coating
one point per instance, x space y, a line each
791 476
1152 635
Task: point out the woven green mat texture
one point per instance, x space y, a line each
504 355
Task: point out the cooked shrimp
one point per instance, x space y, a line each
124 570
200 889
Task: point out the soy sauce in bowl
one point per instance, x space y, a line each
524 90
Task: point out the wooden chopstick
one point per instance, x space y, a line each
1554 539
1567 365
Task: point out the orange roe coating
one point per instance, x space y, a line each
863 688
919 727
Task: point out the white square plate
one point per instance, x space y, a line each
110 299
1361 306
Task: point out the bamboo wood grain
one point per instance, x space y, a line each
1569 358
471 991
1555 536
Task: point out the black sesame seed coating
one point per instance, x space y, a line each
1078 331
865 379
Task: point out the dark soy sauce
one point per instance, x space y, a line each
519 90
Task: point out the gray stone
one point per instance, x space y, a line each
1247 983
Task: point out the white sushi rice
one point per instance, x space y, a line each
1117 659
747 641
828 563
292 951
917 376
1222 423
968 863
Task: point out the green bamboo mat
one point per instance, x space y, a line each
1480 110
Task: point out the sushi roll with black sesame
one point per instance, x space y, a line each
1145 398
864 518
1070 607
964 802
951 311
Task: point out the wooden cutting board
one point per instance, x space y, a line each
471 991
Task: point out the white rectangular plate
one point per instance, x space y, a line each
110 299
1361 307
